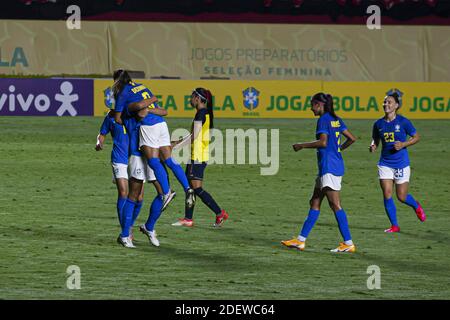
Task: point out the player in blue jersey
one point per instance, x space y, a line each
154 137
139 173
119 157
393 131
126 170
329 130
198 139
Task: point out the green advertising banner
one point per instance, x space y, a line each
290 99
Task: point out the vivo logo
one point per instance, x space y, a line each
13 102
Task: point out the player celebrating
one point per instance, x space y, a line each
392 130
201 100
331 169
154 134
119 157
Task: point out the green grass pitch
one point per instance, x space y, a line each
58 209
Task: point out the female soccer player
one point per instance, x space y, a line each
392 130
119 157
154 134
125 141
201 100
139 173
331 169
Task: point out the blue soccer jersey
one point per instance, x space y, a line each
135 92
390 132
330 158
119 153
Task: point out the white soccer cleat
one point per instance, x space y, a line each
150 234
126 242
167 198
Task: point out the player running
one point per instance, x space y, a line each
201 100
154 137
393 130
331 169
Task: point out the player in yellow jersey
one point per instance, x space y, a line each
201 100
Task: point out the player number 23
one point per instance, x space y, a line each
389 137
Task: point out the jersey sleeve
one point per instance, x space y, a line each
322 126
409 128
106 126
375 132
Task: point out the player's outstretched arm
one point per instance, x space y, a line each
321 143
350 139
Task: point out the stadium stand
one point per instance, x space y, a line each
415 12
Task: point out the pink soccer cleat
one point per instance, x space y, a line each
392 229
420 213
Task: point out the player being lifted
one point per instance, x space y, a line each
329 130
154 137
393 130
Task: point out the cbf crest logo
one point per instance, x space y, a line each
397 128
251 98
109 97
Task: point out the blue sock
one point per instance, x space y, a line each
137 210
178 172
155 213
160 174
410 201
313 215
127 217
341 218
120 204
391 211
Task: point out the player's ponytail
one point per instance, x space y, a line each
329 106
209 106
121 79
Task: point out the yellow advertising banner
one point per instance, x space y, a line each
290 99
236 51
